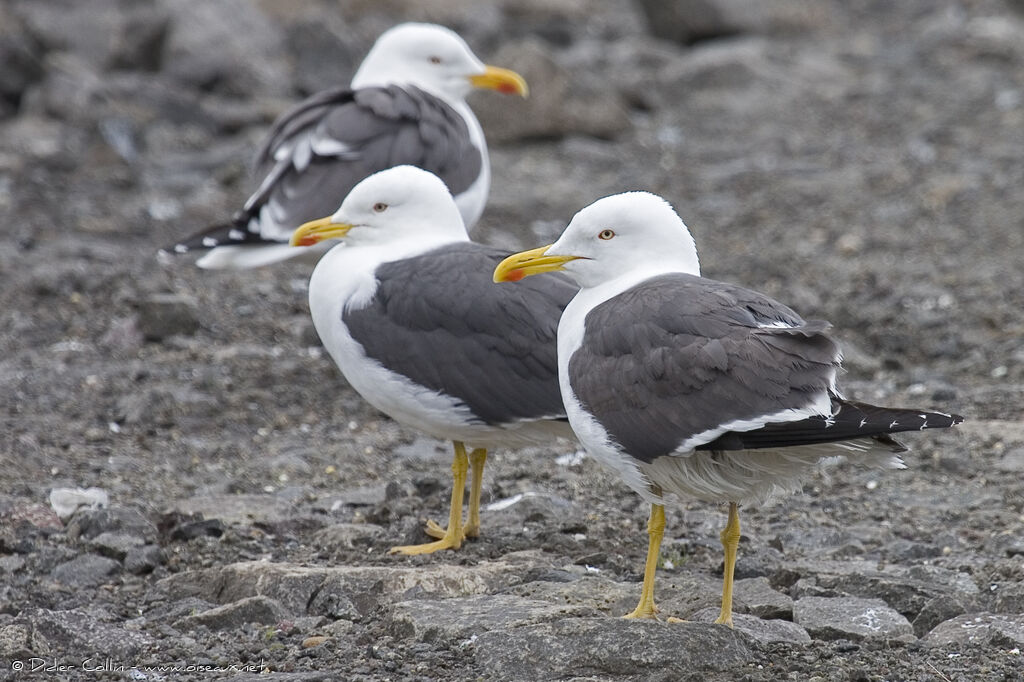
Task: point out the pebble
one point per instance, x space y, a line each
86 570
66 501
164 315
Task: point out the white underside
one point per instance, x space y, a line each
471 202
742 476
408 403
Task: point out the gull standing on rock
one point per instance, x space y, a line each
406 308
695 387
406 105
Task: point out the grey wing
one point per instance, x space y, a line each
439 320
678 359
318 151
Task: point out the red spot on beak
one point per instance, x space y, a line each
507 88
514 275
307 241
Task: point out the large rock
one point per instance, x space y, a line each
335 592
88 28
459 618
762 630
229 46
86 570
90 524
22 57
940 609
606 647
850 618
690 21
259 609
79 634
980 628
906 589
762 600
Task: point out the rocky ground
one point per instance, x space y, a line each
862 161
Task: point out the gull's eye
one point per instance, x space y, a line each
380 207
606 234
434 59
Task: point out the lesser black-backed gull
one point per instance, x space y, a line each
406 307
691 386
406 105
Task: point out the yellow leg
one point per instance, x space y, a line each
477 458
655 531
471 529
730 541
452 537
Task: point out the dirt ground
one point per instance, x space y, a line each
862 162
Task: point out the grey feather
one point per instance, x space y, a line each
438 320
680 355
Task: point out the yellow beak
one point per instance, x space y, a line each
502 80
527 263
315 231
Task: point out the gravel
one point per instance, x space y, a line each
225 502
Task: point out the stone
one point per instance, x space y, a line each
82 28
764 631
22 57
14 642
594 591
258 609
528 507
906 589
691 21
66 501
850 618
86 570
1012 461
363 496
580 648
164 315
688 21
762 600
241 509
92 524
75 632
354 590
347 535
1010 598
231 47
994 629
115 545
322 59
939 609
460 618
141 560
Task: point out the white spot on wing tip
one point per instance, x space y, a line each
180 248
237 235
209 241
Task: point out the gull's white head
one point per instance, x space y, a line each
621 235
433 58
396 204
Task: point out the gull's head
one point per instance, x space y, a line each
624 234
433 58
392 205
